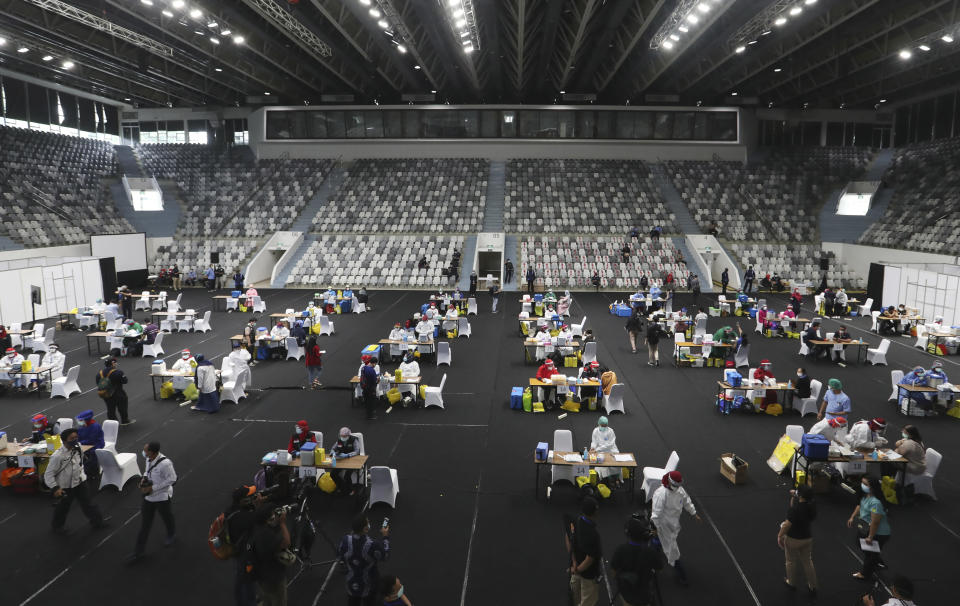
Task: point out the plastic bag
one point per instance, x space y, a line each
191 392
326 483
166 390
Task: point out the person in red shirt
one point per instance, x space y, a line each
761 374
546 371
314 362
301 435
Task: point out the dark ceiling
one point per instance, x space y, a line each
530 51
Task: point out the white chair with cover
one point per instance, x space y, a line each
652 476
37 335
318 438
875 324
111 320
186 324
433 396
116 469
463 327
471 306
360 441
701 328
259 305
443 353
143 302
111 430
896 377
589 352
866 307
809 405
170 323
759 327
42 343
66 386
231 303
804 349
384 486
160 301
203 324
175 304
326 326
922 338
15 339
878 355
85 320
795 433
577 329
154 349
293 350
357 306
233 390
614 400
61 424
923 484
562 442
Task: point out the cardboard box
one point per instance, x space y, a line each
736 474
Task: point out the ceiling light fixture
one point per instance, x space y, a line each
693 19
383 24
686 16
238 39
126 98
23 49
147 2
166 14
3 41
214 39
365 2
213 24
267 93
675 37
225 32
796 10
196 13
218 69
403 50
905 54
178 4
740 49
667 45
777 70
375 13
703 7
883 100
809 2
924 48
48 57
780 21
416 67
734 94
67 65
947 38
683 28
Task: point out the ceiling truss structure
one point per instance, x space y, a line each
90 20
400 15
633 26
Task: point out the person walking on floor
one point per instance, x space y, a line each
494 295
314 362
654 333
633 329
585 553
669 501
368 387
748 278
508 272
725 281
206 381
695 288
67 481
110 381
531 279
796 539
873 527
156 485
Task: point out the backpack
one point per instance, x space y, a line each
218 538
105 387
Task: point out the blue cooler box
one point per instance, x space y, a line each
538 298
371 350
516 398
815 447
307 454
542 450
235 294
734 378
753 313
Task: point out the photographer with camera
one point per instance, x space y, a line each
67 482
240 521
156 485
361 554
636 562
269 554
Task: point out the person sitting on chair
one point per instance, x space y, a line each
346 446
301 435
841 336
545 373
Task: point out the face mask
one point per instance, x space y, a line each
72 443
400 592
865 488
799 374
82 423
38 426
904 436
144 453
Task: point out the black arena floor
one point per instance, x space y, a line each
467 529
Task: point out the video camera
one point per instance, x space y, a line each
639 527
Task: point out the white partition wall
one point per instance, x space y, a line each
934 293
64 284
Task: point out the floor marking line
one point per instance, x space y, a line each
473 534
7 518
323 587
729 551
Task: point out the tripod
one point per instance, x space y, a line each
305 529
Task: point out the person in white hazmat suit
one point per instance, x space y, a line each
669 501
604 440
834 430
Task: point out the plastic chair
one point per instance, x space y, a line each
463 327
233 390
866 307
562 442
259 305
154 349
795 432
111 430
896 377
471 306
293 350
384 486
921 337
879 355
759 327
84 321
326 326
66 386
589 352
804 349
614 400
169 324
111 320
116 469
443 353
809 405
923 484
203 324
652 476
186 324
577 329
175 304
433 396
160 301
61 424
143 302
875 326
231 304
701 328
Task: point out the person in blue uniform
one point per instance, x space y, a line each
91 434
41 427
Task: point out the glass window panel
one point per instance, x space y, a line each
277 125
88 121
15 93
625 122
508 125
411 124
529 124
335 125
643 125
393 124
663 128
432 122
549 125
566 125
834 133
354 124
489 124
317 125
470 122
586 124
943 117
700 126
811 133
722 126
373 124
605 125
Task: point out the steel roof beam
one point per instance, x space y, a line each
573 34
635 25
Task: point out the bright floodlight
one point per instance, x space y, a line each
383 24
947 38
675 37
667 44
403 49
23 49
703 7
67 65
780 21
3 41
238 39
375 13
365 2
460 23
468 49
693 19
905 54
809 2
683 28
196 13
457 13
178 4
740 49
924 47
48 57
166 14
214 39
147 2
796 10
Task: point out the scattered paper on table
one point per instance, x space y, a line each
622 458
892 455
573 458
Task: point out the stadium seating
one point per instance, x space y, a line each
52 191
923 213
230 194
774 199
402 196
194 254
570 262
582 196
375 261
796 263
